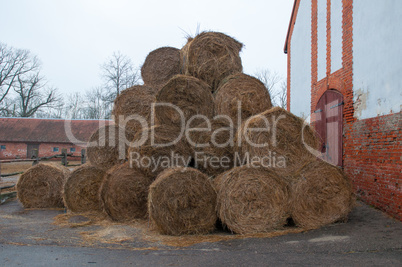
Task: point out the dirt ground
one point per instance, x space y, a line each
23 166
39 237
15 167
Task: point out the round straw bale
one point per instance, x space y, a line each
41 186
190 95
182 201
108 146
160 65
241 89
81 191
321 194
212 144
124 193
252 200
132 102
163 146
281 143
212 56
184 56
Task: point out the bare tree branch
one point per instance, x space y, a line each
75 106
282 95
7 108
14 63
271 81
119 74
97 106
32 95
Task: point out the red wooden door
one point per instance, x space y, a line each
31 147
329 125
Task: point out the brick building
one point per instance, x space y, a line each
19 136
344 74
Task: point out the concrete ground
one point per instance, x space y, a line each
51 237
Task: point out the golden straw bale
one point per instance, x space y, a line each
241 94
284 138
160 65
124 193
81 191
212 56
158 148
131 103
188 94
182 201
321 194
41 186
108 146
252 199
213 146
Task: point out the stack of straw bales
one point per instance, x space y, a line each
205 81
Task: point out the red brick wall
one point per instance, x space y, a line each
46 149
19 150
373 161
341 80
372 147
314 48
13 150
289 47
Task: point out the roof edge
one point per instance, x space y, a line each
285 48
45 142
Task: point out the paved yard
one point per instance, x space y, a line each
51 237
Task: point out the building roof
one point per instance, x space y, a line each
292 18
47 130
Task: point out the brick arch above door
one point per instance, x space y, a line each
333 82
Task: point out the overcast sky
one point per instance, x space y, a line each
73 38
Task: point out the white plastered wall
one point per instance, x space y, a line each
377 57
300 58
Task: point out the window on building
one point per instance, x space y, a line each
55 149
3 147
72 149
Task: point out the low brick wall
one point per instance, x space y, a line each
373 160
19 150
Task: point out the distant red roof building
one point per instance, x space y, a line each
19 136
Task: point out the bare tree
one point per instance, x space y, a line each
23 91
7 108
75 106
56 111
282 95
14 63
97 104
33 95
270 80
119 74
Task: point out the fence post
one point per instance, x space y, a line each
64 158
35 156
83 156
